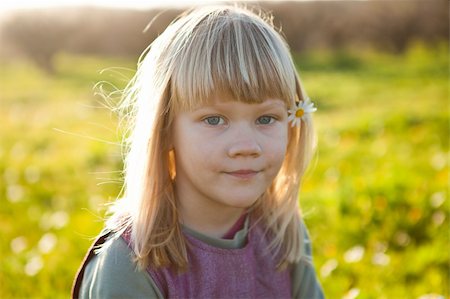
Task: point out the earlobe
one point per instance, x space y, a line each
171 166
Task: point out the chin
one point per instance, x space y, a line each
244 203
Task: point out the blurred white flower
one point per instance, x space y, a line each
47 242
437 199
32 174
439 161
354 254
438 218
431 296
56 220
328 267
352 294
381 259
15 193
34 265
402 238
59 219
18 244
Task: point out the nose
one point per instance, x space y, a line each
244 143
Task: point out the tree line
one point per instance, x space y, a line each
380 24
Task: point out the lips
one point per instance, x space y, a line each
243 173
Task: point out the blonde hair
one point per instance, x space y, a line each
215 48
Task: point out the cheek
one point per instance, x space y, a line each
278 155
194 150
277 151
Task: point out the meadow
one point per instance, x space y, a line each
375 198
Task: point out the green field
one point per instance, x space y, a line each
375 199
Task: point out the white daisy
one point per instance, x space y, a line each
300 110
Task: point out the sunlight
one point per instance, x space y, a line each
133 4
120 4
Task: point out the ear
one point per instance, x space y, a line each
172 165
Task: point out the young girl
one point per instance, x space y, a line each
221 135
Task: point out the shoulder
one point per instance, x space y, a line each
111 273
305 283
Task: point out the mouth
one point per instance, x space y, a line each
243 173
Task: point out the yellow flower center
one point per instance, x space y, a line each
299 113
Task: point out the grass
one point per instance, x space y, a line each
375 199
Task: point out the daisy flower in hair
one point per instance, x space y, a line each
300 110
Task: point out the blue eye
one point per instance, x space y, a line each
265 120
214 120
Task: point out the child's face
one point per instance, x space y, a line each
228 153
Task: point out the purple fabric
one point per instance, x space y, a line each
235 228
247 272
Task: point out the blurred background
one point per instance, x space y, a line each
375 199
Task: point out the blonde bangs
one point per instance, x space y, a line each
231 52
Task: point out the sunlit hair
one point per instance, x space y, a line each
207 50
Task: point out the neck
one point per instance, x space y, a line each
209 223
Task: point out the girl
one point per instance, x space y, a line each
210 206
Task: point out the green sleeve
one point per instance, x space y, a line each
305 284
113 274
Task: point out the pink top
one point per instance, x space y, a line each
247 272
